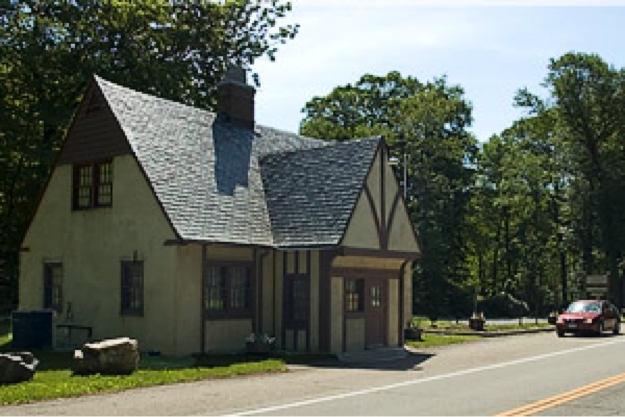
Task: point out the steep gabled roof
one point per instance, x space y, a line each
219 182
311 193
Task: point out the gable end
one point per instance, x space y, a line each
95 133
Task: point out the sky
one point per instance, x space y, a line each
491 48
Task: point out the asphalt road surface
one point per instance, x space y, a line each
537 374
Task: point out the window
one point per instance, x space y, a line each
215 289
93 185
132 288
354 295
53 286
228 290
376 296
296 301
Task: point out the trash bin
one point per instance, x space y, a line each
32 329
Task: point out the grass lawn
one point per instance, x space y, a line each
432 340
463 325
5 335
525 325
54 376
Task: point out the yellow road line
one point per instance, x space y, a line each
550 402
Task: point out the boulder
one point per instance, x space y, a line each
108 357
17 367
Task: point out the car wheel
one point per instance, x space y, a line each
560 333
617 328
600 331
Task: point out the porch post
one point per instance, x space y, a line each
401 297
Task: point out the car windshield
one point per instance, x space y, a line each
581 307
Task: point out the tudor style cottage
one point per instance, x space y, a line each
189 230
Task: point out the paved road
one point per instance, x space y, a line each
608 402
488 377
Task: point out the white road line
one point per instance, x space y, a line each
418 381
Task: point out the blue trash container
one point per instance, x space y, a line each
32 329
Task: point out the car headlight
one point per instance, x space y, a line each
589 321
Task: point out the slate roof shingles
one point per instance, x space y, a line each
219 182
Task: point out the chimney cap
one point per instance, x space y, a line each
235 74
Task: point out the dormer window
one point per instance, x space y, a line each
93 185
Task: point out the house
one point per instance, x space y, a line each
189 230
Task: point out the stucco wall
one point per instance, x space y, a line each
355 334
229 253
362 232
268 294
367 262
401 236
188 298
227 335
91 245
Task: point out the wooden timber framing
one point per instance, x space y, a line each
288 274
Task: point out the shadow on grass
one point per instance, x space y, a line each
59 360
412 361
218 360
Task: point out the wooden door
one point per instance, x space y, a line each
375 313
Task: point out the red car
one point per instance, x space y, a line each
594 316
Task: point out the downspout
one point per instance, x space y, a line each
259 291
275 269
203 296
402 271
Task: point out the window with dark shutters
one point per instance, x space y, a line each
354 295
296 301
132 288
53 286
92 185
228 291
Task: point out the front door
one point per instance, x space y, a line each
375 309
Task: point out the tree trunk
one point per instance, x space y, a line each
496 259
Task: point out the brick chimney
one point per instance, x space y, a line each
235 98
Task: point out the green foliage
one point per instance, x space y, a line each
436 340
530 211
589 98
49 50
546 206
371 106
59 383
463 326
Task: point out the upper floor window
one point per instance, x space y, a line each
93 185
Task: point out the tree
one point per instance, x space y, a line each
589 99
176 49
550 187
369 107
427 121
